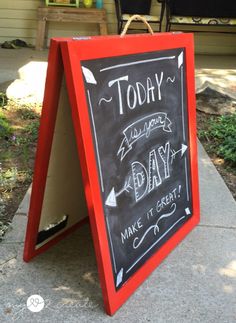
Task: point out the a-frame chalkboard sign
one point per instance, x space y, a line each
117 142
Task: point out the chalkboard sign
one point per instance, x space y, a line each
118 135
138 114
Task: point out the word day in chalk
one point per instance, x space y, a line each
146 177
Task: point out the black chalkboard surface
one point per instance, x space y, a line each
138 111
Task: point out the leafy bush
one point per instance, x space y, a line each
27 113
29 135
5 128
3 99
223 133
32 130
8 179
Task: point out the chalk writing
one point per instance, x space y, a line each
167 199
140 134
139 94
131 230
146 179
143 128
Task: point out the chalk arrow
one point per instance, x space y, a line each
182 150
111 199
89 77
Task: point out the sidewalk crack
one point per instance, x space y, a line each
6 261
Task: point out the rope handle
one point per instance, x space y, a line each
136 17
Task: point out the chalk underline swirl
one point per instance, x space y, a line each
138 241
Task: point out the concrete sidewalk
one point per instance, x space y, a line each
196 283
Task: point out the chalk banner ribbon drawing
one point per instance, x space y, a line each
117 142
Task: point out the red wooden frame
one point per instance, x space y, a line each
73 51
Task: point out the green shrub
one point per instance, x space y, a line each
29 135
32 130
28 113
223 133
3 99
5 128
8 178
